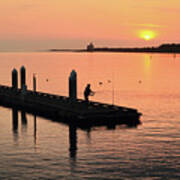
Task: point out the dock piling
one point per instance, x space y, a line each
23 76
14 79
73 85
34 82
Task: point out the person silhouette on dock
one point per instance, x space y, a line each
88 92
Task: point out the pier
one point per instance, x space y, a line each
66 109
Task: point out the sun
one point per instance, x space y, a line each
147 34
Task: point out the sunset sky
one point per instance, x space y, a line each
43 24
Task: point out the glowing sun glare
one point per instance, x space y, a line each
147 35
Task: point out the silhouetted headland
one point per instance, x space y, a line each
164 48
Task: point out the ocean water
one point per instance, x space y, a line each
38 148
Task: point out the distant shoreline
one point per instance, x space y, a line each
164 48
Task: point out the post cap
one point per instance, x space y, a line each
73 75
22 68
14 71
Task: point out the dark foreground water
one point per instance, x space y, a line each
37 148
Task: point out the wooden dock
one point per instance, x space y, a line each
68 110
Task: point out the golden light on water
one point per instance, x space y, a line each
147 34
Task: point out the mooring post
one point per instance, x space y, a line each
34 82
24 90
73 85
23 76
14 79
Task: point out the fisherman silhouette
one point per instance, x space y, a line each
88 92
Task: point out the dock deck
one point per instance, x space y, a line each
66 110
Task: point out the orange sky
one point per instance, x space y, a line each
30 24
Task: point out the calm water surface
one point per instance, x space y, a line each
39 148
